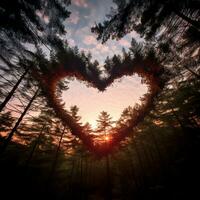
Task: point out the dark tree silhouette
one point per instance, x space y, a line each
104 123
151 153
10 135
10 94
21 21
104 126
147 17
74 113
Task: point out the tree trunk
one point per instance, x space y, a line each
133 171
85 178
34 147
10 94
143 171
192 72
108 179
69 189
56 155
10 135
81 177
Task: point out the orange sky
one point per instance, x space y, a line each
91 102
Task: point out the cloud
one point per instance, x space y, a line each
89 40
82 31
124 43
113 47
71 42
102 48
74 17
80 3
136 36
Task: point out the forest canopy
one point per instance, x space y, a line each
151 151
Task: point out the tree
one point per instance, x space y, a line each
126 115
11 93
104 123
34 23
23 21
10 135
39 128
53 167
74 113
6 121
147 17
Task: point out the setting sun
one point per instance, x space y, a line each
107 138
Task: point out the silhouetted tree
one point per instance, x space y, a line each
74 113
24 20
147 17
10 94
10 135
104 123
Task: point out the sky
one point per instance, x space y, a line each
122 93
84 15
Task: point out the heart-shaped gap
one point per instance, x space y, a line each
73 65
124 92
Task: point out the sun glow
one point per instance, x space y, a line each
107 138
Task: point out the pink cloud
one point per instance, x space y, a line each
102 48
80 3
71 42
124 43
74 17
89 40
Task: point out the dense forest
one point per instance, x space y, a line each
151 152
